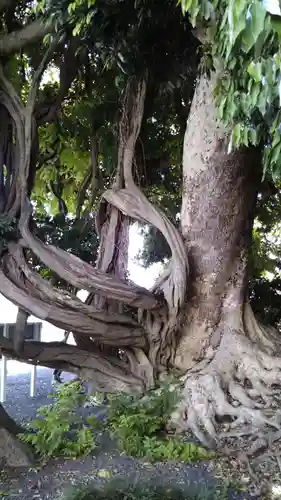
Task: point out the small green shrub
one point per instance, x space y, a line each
58 430
174 449
138 425
120 491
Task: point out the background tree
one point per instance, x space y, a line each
126 79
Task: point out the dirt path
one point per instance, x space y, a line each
57 476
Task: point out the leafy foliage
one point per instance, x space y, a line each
265 299
127 33
121 39
58 430
138 424
243 41
156 248
265 257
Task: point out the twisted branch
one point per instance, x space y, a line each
109 375
133 203
67 318
83 276
17 40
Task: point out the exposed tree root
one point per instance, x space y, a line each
234 396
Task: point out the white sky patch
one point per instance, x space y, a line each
51 75
272 6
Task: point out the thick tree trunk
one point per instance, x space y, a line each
219 197
230 360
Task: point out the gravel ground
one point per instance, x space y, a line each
49 481
19 405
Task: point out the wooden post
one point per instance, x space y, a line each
3 379
33 373
33 379
36 335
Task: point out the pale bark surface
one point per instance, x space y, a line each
219 197
31 33
232 362
13 453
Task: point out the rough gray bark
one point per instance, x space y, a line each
8 423
231 361
219 198
13 453
17 40
107 372
21 323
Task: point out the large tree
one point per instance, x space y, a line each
133 64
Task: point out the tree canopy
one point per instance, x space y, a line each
78 109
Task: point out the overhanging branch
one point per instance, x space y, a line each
82 275
107 373
37 286
68 319
17 40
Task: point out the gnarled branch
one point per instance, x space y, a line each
91 175
108 374
83 275
17 40
68 318
42 288
133 203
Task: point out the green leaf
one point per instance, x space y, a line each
276 25
236 19
258 15
255 70
275 156
253 136
262 102
236 135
